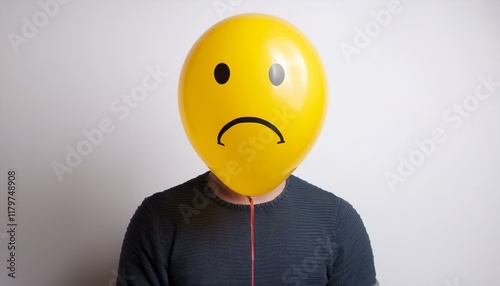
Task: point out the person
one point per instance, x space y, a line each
252 99
203 233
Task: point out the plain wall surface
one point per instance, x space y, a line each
411 137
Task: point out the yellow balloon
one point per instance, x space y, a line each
252 100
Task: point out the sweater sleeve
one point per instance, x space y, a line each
142 258
355 263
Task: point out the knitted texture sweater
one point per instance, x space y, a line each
187 235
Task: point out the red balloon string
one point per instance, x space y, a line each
252 242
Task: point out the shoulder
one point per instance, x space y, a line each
169 204
311 194
324 204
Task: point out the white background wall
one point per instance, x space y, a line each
438 225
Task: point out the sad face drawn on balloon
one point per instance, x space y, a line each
276 76
252 99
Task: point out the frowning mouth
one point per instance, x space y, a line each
249 119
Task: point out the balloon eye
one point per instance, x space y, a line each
276 74
221 73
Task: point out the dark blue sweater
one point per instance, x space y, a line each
187 235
